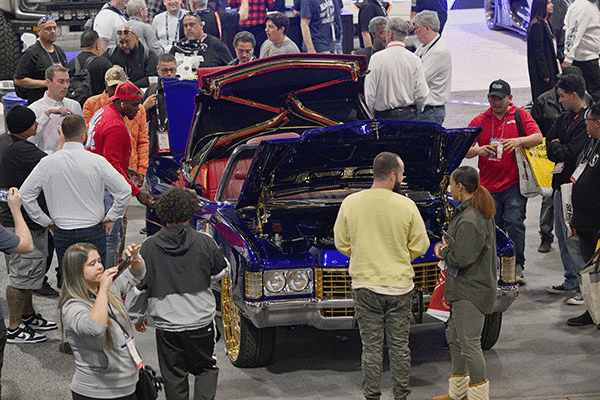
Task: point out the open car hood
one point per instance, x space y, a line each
341 156
291 92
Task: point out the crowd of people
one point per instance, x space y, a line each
80 150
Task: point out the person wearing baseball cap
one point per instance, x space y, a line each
18 157
109 137
495 146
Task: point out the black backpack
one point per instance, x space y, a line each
80 86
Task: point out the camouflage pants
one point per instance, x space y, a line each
378 315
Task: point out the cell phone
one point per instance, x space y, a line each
122 267
448 238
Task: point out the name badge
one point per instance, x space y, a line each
558 168
130 341
163 141
578 171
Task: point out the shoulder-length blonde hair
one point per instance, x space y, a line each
75 287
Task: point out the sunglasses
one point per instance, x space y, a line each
45 19
124 32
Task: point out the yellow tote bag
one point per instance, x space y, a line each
540 165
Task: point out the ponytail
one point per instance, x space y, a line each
482 199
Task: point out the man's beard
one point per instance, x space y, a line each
397 186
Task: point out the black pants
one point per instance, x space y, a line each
591 74
405 113
188 352
587 243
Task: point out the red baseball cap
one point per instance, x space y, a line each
127 91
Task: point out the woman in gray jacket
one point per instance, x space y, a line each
94 323
469 252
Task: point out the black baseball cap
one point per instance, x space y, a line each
499 88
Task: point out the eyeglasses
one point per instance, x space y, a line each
165 70
124 32
245 51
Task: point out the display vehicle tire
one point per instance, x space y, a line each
491 330
247 346
10 49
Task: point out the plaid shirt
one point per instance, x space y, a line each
257 11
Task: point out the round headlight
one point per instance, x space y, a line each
298 280
274 281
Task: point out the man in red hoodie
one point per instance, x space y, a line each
109 137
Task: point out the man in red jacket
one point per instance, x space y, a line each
109 137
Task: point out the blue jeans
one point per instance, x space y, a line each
64 238
435 114
378 315
547 219
113 240
570 253
510 217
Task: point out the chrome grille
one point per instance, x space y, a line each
336 284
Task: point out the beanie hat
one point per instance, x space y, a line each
19 118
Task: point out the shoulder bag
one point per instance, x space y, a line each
527 182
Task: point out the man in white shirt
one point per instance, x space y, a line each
437 63
582 42
51 109
166 24
108 19
73 181
396 87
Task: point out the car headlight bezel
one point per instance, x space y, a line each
297 281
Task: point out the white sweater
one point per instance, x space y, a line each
582 31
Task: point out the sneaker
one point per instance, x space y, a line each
544 246
583 320
24 334
576 300
46 290
39 323
559 289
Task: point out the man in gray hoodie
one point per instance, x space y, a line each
183 309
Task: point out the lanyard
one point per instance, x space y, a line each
502 124
167 25
429 48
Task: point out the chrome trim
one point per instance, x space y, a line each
505 295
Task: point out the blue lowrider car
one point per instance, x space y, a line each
275 145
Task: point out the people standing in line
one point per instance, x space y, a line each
541 55
182 309
276 26
96 325
496 146
110 138
166 24
565 141
138 19
582 42
19 242
382 232
156 108
73 181
30 75
586 198
437 64
396 86
110 17
469 253
90 56
18 157
377 30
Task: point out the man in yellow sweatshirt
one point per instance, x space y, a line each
382 232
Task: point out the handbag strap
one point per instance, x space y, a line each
520 127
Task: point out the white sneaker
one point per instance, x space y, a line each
576 300
24 334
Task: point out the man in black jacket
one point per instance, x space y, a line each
138 62
564 143
97 66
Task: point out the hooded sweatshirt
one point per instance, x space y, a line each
180 265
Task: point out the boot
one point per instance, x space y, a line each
457 389
479 391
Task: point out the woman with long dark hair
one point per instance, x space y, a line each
469 252
95 323
541 51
